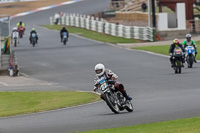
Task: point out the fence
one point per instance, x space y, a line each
4 33
99 25
4 62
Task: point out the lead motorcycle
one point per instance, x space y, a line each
177 59
114 99
190 56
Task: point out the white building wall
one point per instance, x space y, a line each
181 16
162 21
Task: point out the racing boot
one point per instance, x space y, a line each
120 87
127 97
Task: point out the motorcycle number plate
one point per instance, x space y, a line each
178 51
103 84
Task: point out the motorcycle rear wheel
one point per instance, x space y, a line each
15 43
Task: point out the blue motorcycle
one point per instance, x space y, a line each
33 39
190 56
65 38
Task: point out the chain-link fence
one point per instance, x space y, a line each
4 41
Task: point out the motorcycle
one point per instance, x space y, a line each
21 31
190 56
177 59
33 39
15 36
114 99
65 39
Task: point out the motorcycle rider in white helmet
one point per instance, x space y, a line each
15 34
189 42
100 71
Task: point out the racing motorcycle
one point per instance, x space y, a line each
65 39
21 31
190 55
177 59
114 99
15 36
33 39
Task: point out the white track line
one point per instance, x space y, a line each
3 83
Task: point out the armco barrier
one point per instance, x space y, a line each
98 25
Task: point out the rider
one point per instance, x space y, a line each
100 71
189 42
171 50
15 33
20 23
33 31
62 31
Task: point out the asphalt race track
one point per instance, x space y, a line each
158 94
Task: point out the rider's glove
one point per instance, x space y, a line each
113 78
170 54
95 88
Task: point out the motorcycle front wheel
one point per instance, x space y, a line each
129 106
112 103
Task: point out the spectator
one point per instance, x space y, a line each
57 18
144 7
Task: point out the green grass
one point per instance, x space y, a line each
15 103
189 125
164 49
93 35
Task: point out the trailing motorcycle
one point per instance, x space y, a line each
33 39
65 38
190 56
114 99
177 59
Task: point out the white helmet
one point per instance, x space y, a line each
15 28
188 35
99 67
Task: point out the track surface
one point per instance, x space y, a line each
158 94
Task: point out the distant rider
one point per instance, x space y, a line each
189 42
62 31
171 50
33 31
14 34
20 23
101 71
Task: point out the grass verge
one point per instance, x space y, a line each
164 49
93 35
16 103
189 125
